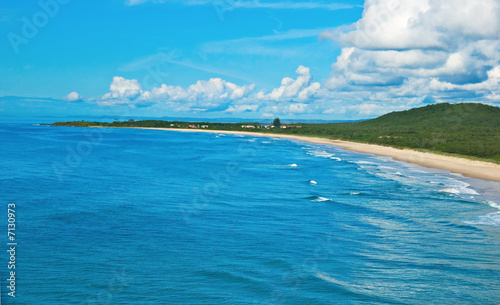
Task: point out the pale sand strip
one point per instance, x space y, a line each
466 167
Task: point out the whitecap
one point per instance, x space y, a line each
293 165
386 167
450 190
323 154
492 219
493 204
321 199
312 182
459 190
364 162
320 153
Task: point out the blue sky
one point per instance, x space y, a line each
251 59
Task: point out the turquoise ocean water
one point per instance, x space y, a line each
126 216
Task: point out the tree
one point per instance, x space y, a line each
277 123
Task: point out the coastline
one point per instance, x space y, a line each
468 168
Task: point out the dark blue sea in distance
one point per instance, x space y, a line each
128 216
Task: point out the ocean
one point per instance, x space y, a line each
128 216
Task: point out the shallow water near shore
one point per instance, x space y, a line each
127 216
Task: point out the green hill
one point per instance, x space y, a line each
464 129
442 115
471 130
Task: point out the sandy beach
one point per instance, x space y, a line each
466 167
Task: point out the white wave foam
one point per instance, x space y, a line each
457 190
386 167
493 204
410 176
313 182
323 154
293 165
450 190
492 219
364 162
321 199
320 153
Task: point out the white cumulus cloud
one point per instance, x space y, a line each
122 92
418 50
300 89
72 97
201 96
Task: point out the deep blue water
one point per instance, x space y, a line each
162 217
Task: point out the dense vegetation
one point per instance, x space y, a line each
465 129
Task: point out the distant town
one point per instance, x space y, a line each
256 126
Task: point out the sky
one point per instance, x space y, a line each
331 60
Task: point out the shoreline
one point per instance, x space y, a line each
468 168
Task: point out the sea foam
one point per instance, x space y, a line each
492 219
